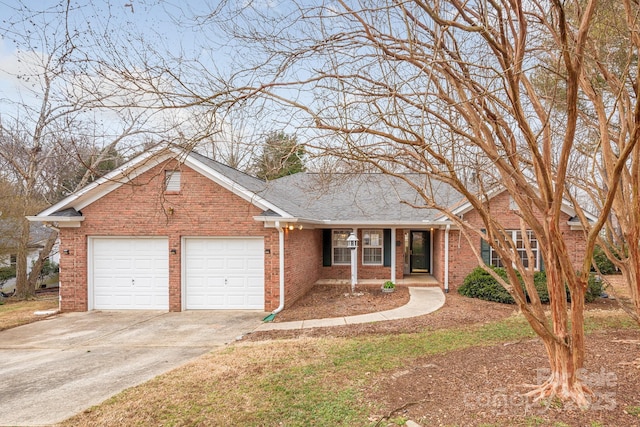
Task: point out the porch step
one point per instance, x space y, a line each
421 280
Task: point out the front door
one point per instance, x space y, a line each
420 251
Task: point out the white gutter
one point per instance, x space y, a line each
446 259
281 267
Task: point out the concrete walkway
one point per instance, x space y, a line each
422 301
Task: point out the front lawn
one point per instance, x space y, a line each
444 376
15 313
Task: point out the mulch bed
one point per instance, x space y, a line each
485 386
325 301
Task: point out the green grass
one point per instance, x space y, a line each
633 410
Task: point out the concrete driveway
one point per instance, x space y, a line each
55 368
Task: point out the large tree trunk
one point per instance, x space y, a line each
564 381
565 343
42 256
23 290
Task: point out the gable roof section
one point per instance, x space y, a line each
67 210
566 208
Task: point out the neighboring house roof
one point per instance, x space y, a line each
317 198
38 234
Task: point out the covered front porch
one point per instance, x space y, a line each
409 280
414 255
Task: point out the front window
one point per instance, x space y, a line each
372 247
341 253
517 237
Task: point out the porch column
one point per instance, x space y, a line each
354 261
393 255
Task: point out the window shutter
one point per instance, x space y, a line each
326 248
541 261
485 250
386 247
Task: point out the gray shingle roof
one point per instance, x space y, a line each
344 197
247 181
357 197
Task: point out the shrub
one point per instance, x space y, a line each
603 263
49 267
594 288
480 284
540 282
7 273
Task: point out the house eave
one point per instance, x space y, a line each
58 221
575 226
326 223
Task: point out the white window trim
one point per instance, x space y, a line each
514 235
334 247
380 245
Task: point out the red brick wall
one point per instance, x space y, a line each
437 257
201 208
462 259
303 262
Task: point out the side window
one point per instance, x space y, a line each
494 259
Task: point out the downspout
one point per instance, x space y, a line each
446 259
272 316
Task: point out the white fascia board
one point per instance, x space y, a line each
383 224
109 182
575 225
58 221
56 218
235 188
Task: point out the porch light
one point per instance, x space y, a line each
352 241
291 227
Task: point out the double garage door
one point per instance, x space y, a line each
218 273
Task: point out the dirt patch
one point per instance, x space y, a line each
324 301
484 386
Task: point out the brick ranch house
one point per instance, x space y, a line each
174 230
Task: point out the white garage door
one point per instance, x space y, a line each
224 273
130 273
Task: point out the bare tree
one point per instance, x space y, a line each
446 88
610 86
71 103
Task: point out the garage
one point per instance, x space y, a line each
129 273
223 273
